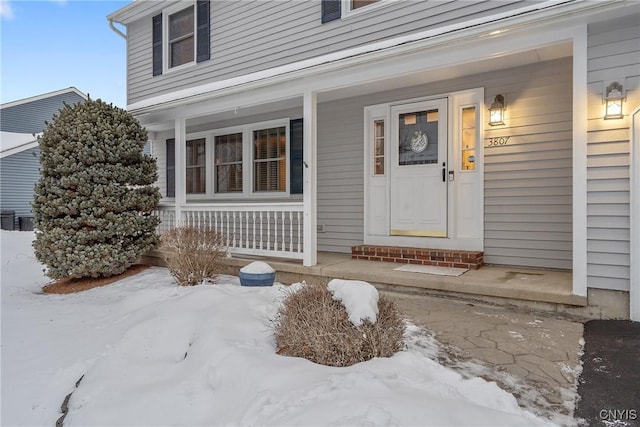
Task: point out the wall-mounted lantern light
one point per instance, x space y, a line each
496 111
613 99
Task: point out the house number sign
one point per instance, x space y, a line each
498 141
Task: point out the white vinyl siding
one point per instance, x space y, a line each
613 55
249 36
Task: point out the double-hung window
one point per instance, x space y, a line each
196 166
228 163
270 159
181 36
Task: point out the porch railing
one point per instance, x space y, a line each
268 229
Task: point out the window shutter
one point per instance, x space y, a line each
331 10
171 168
203 34
295 156
157 44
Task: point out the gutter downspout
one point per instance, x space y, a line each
115 30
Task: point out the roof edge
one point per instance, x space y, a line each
71 89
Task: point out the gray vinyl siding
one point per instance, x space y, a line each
251 36
18 176
30 117
341 173
613 55
528 183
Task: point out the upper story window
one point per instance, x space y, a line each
357 4
181 43
181 36
336 9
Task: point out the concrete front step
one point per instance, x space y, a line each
472 260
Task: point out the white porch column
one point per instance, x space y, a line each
580 115
310 185
180 130
634 289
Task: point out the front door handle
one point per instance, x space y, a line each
444 172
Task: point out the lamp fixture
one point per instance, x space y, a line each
613 100
496 111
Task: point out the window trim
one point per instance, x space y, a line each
166 49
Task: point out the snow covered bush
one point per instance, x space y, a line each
312 324
93 202
192 254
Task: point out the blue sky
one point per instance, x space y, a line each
49 45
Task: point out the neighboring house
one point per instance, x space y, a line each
297 127
20 122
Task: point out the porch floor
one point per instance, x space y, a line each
532 288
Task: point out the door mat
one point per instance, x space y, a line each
432 269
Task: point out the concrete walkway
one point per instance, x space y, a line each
534 356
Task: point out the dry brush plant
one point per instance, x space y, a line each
193 254
311 324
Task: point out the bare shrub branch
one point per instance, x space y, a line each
311 324
193 254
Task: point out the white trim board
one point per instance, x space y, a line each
579 155
634 191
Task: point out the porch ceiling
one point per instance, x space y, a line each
495 62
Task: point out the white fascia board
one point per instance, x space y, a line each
18 149
43 96
553 10
138 9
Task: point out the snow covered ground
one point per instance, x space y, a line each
155 354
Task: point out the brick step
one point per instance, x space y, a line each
472 260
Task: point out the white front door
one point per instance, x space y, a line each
418 169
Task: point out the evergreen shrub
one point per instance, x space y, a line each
312 325
93 203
